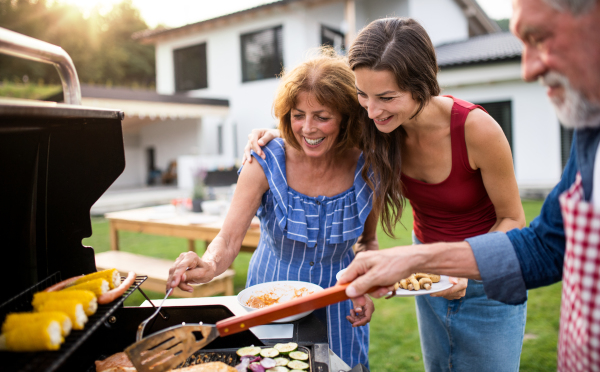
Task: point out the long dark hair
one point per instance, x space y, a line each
401 46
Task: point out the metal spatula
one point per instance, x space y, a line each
170 347
166 349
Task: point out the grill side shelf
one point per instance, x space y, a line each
49 361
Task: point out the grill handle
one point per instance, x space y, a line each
18 45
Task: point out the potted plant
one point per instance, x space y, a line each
199 194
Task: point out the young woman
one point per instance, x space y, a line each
309 195
451 160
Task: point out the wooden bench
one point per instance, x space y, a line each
158 272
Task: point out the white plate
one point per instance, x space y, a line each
285 289
442 285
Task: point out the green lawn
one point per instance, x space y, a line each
394 335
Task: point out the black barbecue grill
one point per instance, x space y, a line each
56 160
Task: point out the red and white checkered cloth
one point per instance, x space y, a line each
579 336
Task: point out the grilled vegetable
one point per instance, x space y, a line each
86 298
296 364
298 355
269 353
33 336
277 369
70 307
16 320
112 276
98 286
250 350
286 348
282 361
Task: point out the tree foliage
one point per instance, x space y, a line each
100 45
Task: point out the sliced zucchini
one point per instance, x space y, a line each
269 353
296 364
277 369
297 370
298 355
286 348
282 361
250 350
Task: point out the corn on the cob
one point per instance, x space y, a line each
72 308
98 286
112 276
33 336
15 320
87 299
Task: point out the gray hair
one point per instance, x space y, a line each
576 7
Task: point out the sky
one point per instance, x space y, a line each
175 13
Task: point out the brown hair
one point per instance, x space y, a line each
401 46
329 78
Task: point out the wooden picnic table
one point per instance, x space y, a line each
165 221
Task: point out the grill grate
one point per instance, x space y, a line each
50 360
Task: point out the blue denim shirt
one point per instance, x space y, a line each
512 262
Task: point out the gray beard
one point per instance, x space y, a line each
575 111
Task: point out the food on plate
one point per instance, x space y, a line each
258 301
44 334
112 276
416 282
86 298
72 308
98 286
15 320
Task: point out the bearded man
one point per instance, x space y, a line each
561 41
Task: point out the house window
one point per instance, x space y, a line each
333 38
262 54
502 113
190 68
566 139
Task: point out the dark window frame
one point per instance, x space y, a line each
325 29
190 67
502 112
273 67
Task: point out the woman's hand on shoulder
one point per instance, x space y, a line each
362 312
256 139
190 269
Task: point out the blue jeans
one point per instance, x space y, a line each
473 333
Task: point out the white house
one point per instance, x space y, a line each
236 57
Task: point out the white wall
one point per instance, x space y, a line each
368 10
134 173
535 127
443 19
170 140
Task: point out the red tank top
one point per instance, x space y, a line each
458 207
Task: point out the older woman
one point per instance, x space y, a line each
309 195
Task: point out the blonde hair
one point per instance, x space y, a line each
328 77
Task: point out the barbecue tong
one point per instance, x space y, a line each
170 347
